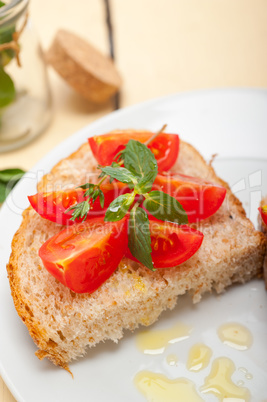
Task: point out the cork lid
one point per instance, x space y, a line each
83 67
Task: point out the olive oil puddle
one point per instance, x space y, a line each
235 335
156 387
199 357
155 342
219 382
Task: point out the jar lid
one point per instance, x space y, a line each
83 67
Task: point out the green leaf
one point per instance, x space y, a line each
139 160
121 174
101 198
119 156
2 4
165 207
145 183
11 174
119 207
102 174
79 210
8 179
3 192
7 89
115 164
139 240
6 35
89 187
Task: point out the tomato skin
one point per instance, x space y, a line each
165 147
171 244
85 255
263 212
199 198
52 205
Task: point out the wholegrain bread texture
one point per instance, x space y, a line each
63 324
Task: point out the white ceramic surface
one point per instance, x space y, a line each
230 122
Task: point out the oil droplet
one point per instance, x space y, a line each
155 342
235 335
240 382
158 388
243 370
248 375
199 357
172 359
219 382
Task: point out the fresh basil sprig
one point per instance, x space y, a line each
8 179
139 173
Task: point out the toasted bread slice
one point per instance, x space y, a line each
63 324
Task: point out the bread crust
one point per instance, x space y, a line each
161 290
263 228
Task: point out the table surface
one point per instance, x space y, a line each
161 47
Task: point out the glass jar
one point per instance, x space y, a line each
25 98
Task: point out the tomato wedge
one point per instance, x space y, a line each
199 198
171 244
53 205
85 255
165 147
263 212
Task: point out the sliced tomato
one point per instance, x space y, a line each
171 244
85 255
53 205
199 198
165 147
263 212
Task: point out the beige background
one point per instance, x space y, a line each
162 47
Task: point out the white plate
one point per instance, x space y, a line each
231 122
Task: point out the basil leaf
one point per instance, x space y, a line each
3 192
119 156
139 160
11 174
115 164
145 183
8 179
119 207
121 174
101 198
7 89
165 207
139 240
